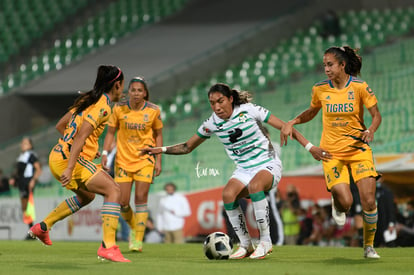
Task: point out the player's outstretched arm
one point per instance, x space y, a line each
287 129
178 149
317 152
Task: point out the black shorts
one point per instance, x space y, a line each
23 185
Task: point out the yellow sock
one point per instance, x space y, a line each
64 209
128 215
110 216
141 217
370 226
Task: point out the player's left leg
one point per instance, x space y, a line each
367 187
260 183
102 183
141 212
365 175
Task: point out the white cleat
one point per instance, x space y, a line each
339 217
369 252
242 252
262 250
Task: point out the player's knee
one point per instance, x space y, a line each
228 196
141 198
115 192
370 204
124 207
345 204
85 200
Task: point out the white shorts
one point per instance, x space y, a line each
246 175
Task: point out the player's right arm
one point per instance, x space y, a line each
178 149
63 121
109 140
305 116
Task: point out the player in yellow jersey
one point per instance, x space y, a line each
345 137
137 124
71 161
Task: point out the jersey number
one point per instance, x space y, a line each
74 127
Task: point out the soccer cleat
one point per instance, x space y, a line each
339 217
112 254
135 245
37 233
242 252
263 249
369 252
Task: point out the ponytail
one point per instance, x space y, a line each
106 77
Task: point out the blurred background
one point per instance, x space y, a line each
50 50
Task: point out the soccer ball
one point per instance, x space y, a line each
217 246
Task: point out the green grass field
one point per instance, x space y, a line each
32 258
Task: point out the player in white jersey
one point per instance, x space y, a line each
238 125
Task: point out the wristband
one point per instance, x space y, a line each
308 146
163 149
104 153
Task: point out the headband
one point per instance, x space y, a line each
119 73
138 79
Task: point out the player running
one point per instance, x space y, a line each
238 125
71 161
342 98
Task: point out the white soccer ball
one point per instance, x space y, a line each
217 246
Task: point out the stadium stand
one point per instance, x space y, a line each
117 20
23 21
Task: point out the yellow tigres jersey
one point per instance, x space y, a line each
97 115
134 131
343 115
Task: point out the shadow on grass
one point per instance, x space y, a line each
56 266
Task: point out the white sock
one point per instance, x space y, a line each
238 221
261 212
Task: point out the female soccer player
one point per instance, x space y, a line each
71 161
138 124
238 125
342 98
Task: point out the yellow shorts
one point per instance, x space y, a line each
83 172
144 174
360 166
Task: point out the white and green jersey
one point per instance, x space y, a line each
242 135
